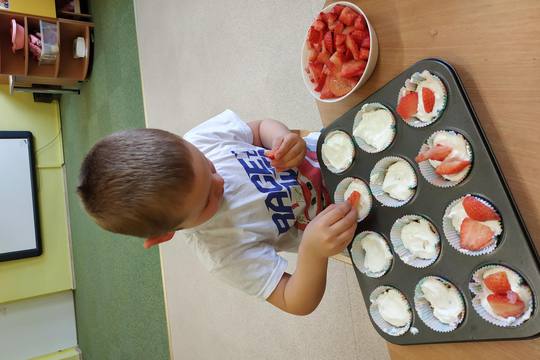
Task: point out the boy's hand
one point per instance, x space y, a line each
287 152
331 231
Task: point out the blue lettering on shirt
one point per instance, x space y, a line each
276 186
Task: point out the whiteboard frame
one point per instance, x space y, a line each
37 250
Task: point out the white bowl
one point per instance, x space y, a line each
371 62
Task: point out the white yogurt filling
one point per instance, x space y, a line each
375 128
377 254
419 238
445 301
399 181
338 150
393 308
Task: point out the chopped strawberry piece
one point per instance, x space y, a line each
323 17
321 82
348 30
506 305
428 97
341 49
270 155
325 91
314 36
366 43
437 152
498 282
335 63
319 25
315 70
354 198
331 19
452 166
474 235
338 9
323 57
341 86
353 68
328 42
338 27
348 16
348 54
359 36
408 106
360 23
312 55
339 39
479 211
363 54
351 45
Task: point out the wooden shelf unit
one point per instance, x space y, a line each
22 63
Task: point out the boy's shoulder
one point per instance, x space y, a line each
226 126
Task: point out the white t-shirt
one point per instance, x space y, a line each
262 211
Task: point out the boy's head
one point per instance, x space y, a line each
148 183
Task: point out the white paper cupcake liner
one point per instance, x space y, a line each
361 143
340 192
415 122
404 254
425 310
327 163
428 171
454 237
376 179
377 318
358 255
476 288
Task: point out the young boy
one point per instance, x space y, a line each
239 192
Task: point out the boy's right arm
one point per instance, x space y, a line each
327 235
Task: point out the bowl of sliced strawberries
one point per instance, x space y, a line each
339 53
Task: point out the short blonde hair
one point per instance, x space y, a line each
133 182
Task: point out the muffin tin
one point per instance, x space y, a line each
515 248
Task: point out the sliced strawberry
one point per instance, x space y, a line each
341 86
353 68
341 49
359 36
498 282
437 152
325 91
315 70
339 39
353 47
338 27
348 16
319 25
323 17
312 55
348 30
348 54
323 57
452 166
360 23
363 54
335 63
354 198
474 235
270 155
328 42
408 106
366 43
479 211
507 305
321 82
428 97
314 36
338 9
331 19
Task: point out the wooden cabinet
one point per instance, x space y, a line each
65 70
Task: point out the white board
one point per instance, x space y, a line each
19 231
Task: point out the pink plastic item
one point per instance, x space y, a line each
17 36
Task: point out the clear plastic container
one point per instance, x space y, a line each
49 41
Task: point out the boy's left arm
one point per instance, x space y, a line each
287 148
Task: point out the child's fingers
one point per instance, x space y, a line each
284 147
345 237
295 151
345 223
337 213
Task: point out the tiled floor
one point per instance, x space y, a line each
197 59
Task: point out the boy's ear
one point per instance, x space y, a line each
148 243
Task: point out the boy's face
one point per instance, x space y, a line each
204 199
